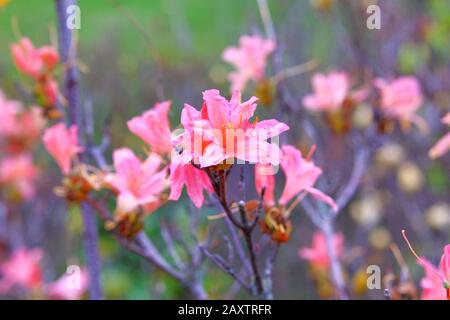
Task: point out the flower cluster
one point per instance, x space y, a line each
39 64
17 171
23 270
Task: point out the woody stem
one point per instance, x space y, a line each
244 226
71 92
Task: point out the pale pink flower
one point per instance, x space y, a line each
49 56
23 269
442 146
222 131
9 109
153 128
138 183
62 144
30 60
401 98
27 58
50 91
195 180
265 178
301 175
249 59
22 129
431 283
317 254
436 281
330 92
68 286
19 172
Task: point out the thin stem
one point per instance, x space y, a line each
243 226
71 91
336 270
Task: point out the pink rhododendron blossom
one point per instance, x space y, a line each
330 92
62 144
68 286
222 131
195 180
442 146
301 175
138 183
317 254
32 61
8 113
19 172
153 128
249 59
22 269
265 178
436 281
401 98
50 91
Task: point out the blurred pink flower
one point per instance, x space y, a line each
138 183
30 60
195 180
442 146
301 175
8 113
330 92
249 59
436 282
401 98
62 144
317 254
19 172
17 139
153 128
49 56
27 58
66 288
50 91
22 268
265 178
222 130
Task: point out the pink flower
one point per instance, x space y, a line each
68 286
249 59
49 56
195 180
19 172
27 58
301 175
8 113
222 131
442 146
31 61
401 98
50 92
153 128
138 183
330 92
317 254
436 281
62 144
23 269
431 283
265 178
